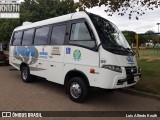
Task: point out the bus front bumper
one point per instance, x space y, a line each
130 79
114 80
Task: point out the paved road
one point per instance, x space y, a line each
46 96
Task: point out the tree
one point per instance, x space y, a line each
44 9
35 11
148 37
153 37
130 36
123 7
6 28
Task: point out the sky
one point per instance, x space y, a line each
146 22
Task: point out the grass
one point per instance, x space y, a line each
149 61
149 52
150 81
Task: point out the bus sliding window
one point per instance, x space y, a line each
17 38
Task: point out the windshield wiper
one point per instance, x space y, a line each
126 49
131 50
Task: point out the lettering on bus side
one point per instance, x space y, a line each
56 51
43 55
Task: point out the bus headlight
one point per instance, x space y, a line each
113 68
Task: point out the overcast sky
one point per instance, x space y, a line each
146 22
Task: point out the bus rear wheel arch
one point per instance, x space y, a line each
25 74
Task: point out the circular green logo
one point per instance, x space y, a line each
77 55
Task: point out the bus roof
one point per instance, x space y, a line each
50 21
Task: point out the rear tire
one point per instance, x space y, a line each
77 89
25 74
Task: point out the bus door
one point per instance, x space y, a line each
56 54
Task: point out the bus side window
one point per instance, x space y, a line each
17 38
41 36
28 37
58 35
80 35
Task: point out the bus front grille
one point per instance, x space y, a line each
130 71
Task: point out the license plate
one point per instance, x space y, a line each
136 78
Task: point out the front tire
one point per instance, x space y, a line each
25 75
77 89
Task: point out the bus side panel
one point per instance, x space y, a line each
82 59
43 61
30 55
55 64
15 61
38 63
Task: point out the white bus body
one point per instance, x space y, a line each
77 50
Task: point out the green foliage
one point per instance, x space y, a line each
32 12
129 7
149 36
6 28
130 36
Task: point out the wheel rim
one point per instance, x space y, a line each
25 74
75 90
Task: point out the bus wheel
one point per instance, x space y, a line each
77 89
25 74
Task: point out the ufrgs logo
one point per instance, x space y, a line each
130 59
9 8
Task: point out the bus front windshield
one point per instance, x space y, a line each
111 37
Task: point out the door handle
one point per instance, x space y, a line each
40 63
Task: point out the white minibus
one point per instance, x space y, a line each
78 50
